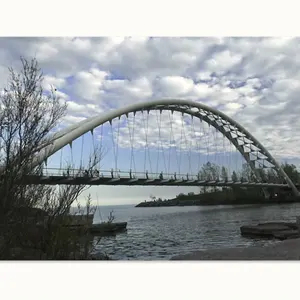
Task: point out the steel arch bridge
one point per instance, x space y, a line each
253 152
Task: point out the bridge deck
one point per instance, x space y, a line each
53 180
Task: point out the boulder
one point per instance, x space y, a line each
277 230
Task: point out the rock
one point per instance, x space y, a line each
286 234
291 225
277 230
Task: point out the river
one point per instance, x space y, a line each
159 233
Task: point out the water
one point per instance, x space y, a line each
159 233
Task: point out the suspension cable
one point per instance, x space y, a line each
207 142
161 146
131 138
216 146
81 154
61 155
117 146
113 143
101 149
172 136
190 149
158 152
94 150
72 160
201 131
170 145
149 157
197 144
185 139
146 142
181 144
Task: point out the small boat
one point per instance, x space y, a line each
103 228
108 228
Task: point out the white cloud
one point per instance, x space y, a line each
46 51
223 61
254 80
75 107
231 108
206 75
61 95
72 119
86 110
202 90
88 84
172 86
53 82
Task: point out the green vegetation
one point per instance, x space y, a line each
232 195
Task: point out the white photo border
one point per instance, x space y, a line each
138 280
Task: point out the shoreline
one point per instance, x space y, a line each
174 203
234 196
281 250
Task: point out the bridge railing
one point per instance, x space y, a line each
118 174
160 178
115 174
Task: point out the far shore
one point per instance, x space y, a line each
218 198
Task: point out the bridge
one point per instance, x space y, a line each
168 142
80 177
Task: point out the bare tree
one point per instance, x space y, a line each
28 115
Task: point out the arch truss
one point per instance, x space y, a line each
254 153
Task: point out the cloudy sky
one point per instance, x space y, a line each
253 80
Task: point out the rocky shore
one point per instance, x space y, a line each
285 250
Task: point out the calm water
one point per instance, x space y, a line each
160 233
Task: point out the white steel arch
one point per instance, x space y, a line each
242 139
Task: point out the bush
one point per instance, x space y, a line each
29 227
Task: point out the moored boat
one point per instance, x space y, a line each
107 228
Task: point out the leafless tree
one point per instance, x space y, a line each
28 115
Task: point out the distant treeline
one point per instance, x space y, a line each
211 171
232 195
